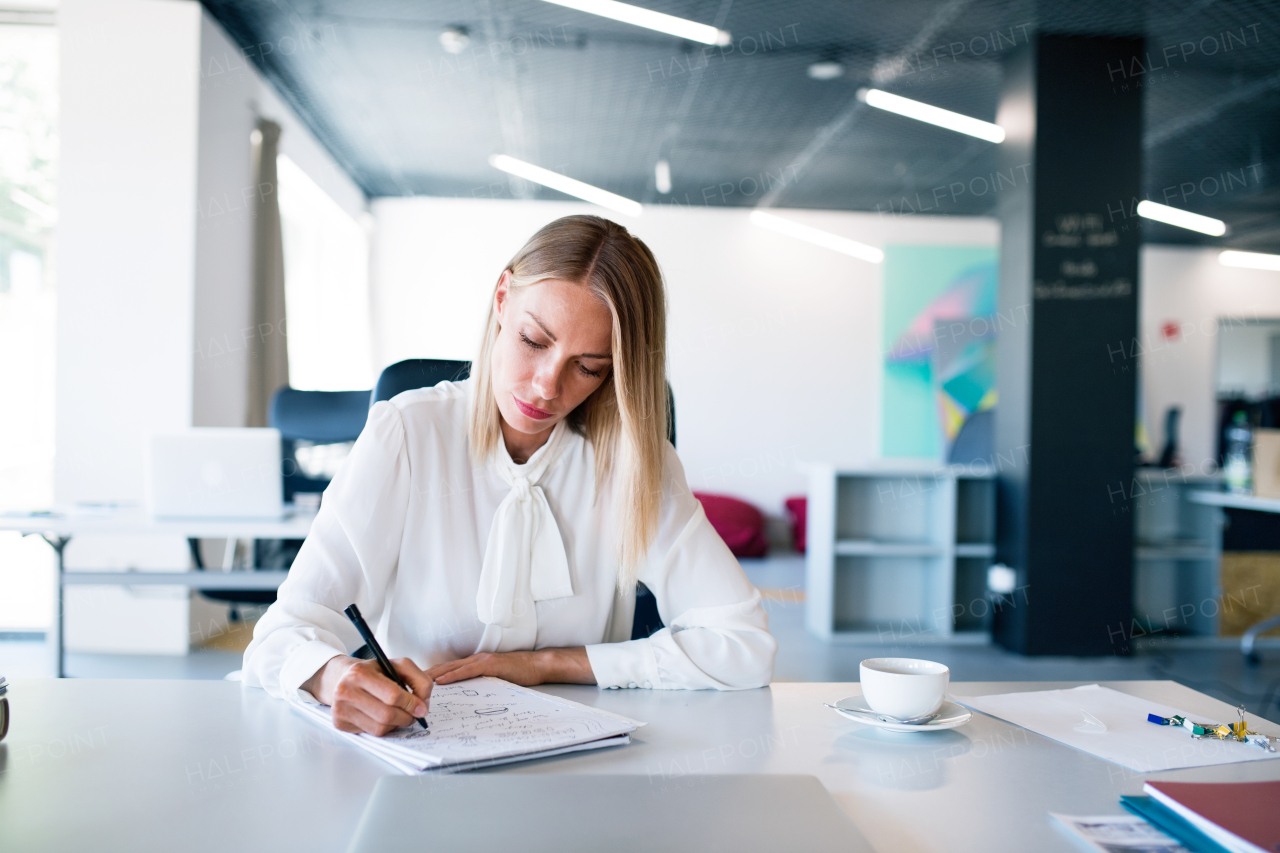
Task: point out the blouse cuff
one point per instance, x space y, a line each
628 664
303 662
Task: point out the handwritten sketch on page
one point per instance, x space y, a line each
486 720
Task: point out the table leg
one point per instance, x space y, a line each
59 545
1251 636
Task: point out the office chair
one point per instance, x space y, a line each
425 372
324 420
417 373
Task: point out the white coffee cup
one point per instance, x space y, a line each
903 687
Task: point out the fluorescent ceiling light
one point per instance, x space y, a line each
564 184
455 39
650 20
1251 260
817 236
662 176
828 69
1182 218
933 115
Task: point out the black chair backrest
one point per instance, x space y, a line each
314 417
323 417
417 373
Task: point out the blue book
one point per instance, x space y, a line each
1172 824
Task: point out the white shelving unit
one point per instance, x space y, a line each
1177 548
898 554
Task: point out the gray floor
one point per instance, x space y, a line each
1218 671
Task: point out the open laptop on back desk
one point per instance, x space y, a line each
212 472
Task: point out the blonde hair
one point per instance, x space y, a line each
625 419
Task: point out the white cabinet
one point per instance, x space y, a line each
1177 547
898 554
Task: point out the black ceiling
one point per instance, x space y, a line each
603 101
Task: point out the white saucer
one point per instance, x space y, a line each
949 716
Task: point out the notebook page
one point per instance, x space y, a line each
485 719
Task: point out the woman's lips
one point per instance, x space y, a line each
530 411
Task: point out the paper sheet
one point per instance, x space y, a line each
486 721
1128 738
1121 834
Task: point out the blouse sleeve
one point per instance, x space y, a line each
349 556
717 632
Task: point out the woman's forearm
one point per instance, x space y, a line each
567 666
543 666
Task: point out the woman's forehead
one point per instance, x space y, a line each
568 311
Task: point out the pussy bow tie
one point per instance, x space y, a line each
524 560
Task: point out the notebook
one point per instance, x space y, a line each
1239 816
487 721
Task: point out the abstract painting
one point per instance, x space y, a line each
939 338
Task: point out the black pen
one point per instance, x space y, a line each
353 613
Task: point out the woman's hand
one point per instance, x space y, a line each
562 666
365 700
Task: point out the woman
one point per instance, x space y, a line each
498 526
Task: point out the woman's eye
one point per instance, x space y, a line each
530 343
592 373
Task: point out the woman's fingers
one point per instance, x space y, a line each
368 699
352 719
436 671
395 710
373 682
466 669
417 680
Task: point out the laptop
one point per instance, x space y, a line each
537 813
215 473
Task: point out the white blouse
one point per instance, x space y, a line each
447 559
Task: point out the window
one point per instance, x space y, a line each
28 213
326 275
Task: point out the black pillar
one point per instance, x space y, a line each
1072 161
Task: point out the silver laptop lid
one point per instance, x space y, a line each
534 812
212 472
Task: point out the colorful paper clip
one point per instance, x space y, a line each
1238 731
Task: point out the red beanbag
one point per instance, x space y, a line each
797 511
739 524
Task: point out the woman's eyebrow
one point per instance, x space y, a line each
543 327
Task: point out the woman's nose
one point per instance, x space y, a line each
547 382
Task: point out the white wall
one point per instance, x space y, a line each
154 268
233 96
1188 286
126 259
1244 356
775 347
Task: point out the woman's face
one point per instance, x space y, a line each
554 349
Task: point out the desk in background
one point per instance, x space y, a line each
213 766
1225 500
58 529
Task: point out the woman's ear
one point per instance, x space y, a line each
501 295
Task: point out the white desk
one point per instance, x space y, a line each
59 528
212 766
1256 504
